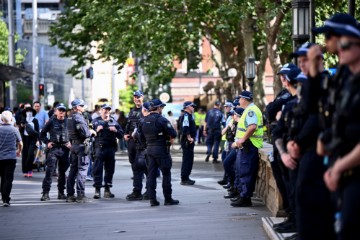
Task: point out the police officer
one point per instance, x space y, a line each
132 122
157 131
188 134
140 168
79 131
229 161
107 130
250 139
343 176
272 109
58 145
214 120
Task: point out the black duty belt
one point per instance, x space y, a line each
59 144
76 142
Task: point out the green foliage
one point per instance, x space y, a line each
126 98
4 46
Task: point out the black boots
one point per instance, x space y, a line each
45 197
171 201
242 202
97 194
134 196
107 193
61 195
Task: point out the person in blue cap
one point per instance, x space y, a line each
140 168
58 145
132 123
229 161
343 175
158 132
214 121
249 136
78 130
107 131
187 141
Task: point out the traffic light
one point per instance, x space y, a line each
41 89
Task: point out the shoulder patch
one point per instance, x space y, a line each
168 125
251 113
285 96
186 121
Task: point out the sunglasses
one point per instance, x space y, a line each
137 97
61 110
347 45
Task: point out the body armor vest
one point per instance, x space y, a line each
59 131
152 132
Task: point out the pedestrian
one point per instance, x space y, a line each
58 149
214 121
132 123
250 139
140 166
187 141
41 115
79 131
10 147
30 138
107 131
159 135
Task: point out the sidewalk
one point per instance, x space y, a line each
203 213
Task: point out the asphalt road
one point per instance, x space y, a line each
203 213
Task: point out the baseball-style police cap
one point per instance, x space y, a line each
77 102
238 111
302 50
105 106
286 68
217 103
292 74
61 106
351 30
231 112
188 103
246 94
228 104
155 103
146 105
334 23
301 77
236 102
138 93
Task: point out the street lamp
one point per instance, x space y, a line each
250 72
300 22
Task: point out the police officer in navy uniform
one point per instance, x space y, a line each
132 122
188 134
58 145
79 131
107 130
249 136
214 120
140 168
159 135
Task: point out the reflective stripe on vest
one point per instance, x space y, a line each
257 137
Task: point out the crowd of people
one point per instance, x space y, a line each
313 121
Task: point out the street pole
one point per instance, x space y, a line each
351 7
115 93
12 88
34 50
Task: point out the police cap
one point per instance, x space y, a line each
77 102
146 105
138 93
246 94
338 21
61 106
188 103
238 111
155 103
286 68
105 106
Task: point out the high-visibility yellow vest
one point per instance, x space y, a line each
202 119
197 118
257 137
